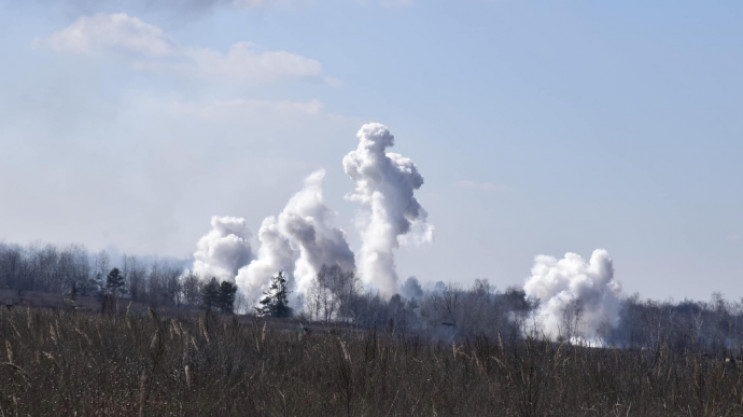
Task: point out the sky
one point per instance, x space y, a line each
539 127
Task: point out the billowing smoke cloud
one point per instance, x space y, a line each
299 243
579 300
306 219
385 183
275 254
301 239
222 251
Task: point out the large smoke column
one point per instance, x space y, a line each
578 299
385 183
299 243
275 254
222 251
306 219
301 239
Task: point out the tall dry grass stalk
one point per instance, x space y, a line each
142 393
83 364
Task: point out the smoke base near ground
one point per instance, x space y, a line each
578 300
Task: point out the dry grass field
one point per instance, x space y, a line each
83 364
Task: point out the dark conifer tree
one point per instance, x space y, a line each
210 294
115 282
227 291
275 301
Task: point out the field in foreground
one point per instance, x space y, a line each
67 363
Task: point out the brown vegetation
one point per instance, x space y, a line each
73 363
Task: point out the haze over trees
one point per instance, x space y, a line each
444 312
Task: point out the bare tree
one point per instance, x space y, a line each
191 289
136 276
331 293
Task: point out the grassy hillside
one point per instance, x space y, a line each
73 363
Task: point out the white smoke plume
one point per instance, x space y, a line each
301 239
385 184
222 251
299 243
275 254
578 300
306 219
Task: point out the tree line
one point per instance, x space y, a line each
73 271
443 312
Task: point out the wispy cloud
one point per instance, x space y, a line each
386 3
114 33
480 186
206 6
148 48
238 108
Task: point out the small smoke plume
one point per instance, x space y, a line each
578 300
222 251
411 288
385 184
299 242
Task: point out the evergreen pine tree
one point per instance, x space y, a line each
115 282
275 300
210 294
227 292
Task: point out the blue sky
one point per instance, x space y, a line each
539 127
